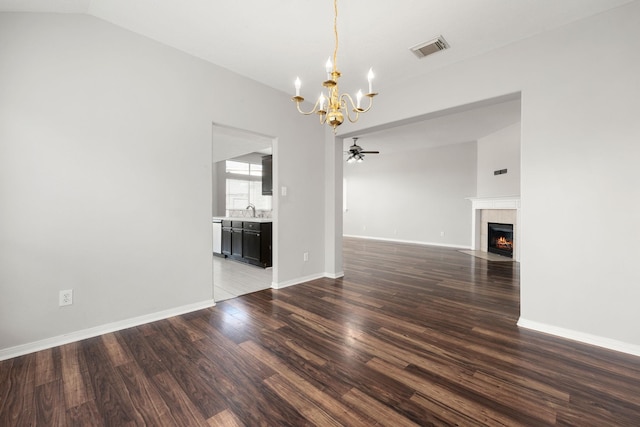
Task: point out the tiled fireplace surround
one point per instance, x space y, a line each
505 210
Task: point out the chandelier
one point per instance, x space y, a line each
333 107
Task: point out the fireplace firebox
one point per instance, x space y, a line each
500 239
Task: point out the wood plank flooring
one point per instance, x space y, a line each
412 335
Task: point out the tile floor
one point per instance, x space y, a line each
233 278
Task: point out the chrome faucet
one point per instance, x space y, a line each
253 208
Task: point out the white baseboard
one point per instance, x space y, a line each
296 281
581 337
337 275
413 242
44 344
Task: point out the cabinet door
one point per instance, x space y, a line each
226 241
236 242
251 245
265 244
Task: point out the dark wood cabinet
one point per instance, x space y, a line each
256 243
236 238
236 242
267 175
226 238
248 242
251 245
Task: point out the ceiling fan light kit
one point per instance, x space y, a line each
355 158
337 106
356 153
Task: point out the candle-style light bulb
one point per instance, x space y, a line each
358 98
370 79
297 84
329 68
321 99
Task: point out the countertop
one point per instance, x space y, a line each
241 218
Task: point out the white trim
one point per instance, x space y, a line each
413 242
297 281
337 275
581 337
44 344
504 202
306 279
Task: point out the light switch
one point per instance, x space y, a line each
283 191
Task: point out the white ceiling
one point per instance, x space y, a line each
290 38
452 127
275 41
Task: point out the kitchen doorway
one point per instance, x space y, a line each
232 278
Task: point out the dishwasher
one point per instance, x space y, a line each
217 236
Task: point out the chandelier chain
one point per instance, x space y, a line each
335 33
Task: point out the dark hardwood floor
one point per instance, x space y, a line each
411 335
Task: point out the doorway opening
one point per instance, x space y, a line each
237 147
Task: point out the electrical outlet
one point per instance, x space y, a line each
305 256
66 297
442 234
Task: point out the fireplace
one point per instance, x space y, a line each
500 239
502 210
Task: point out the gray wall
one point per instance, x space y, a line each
500 150
413 196
579 151
218 189
106 176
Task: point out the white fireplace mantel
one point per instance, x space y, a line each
479 204
506 202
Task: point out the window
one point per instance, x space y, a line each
244 168
241 168
244 186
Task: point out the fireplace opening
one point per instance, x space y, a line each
500 239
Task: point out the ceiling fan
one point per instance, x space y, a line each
356 153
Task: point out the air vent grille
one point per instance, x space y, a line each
432 46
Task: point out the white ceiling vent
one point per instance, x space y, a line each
432 46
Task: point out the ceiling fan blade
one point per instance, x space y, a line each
371 152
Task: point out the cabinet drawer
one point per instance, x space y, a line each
254 226
226 224
236 224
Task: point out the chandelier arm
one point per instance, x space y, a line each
355 118
306 113
370 96
347 104
343 101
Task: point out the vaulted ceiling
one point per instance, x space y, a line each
274 41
